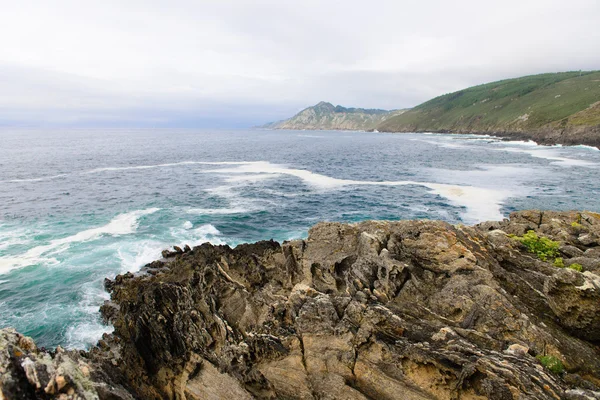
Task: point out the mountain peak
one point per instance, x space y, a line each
324 105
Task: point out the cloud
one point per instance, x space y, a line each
233 62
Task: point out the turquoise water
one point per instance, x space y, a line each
77 206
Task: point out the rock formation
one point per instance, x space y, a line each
374 310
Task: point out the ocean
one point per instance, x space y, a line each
80 205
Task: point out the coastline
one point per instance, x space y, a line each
364 310
585 137
542 138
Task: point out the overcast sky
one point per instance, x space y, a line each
239 63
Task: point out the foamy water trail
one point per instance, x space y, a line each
481 203
42 178
120 225
551 154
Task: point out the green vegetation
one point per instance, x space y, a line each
559 263
576 267
542 247
552 364
556 99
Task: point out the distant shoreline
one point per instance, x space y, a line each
591 139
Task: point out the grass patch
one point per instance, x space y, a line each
576 267
552 364
559 263
542 247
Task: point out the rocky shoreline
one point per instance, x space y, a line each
374 310
549 136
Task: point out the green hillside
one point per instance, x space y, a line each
563 104
326 116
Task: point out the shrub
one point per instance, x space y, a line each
542 247
552 364
558 262
576 225
576 267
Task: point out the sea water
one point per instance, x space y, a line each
78 206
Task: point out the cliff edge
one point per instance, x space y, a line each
373 310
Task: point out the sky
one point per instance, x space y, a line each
235 63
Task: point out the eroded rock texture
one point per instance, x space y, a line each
375 310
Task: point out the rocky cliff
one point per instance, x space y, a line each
326 116
374 310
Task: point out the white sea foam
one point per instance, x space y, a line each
15 238
122 224
444 144
188 225
42 178
83 335
88 330
583 146
481 203
193 237
520 142
135 255
311 136
552 154
1 281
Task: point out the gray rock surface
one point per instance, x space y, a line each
374 310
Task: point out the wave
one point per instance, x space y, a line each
194 237
122 224
86 334
583 146
133 256
88 329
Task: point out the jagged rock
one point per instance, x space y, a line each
575 299
374 310
588 263
29 373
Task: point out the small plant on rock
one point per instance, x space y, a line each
558 262
576 267
552 364
542 247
